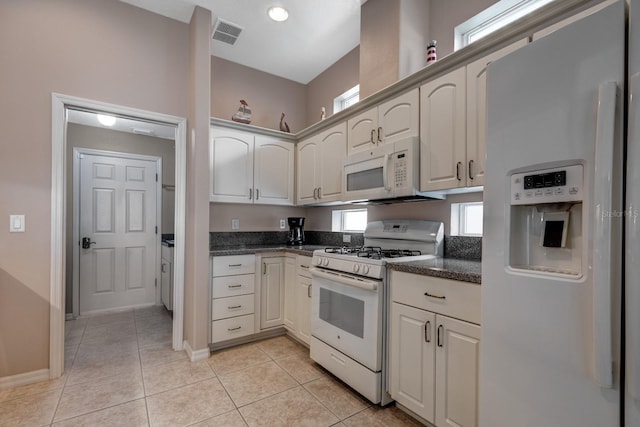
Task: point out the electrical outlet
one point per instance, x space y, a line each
235 224
346 238
282 224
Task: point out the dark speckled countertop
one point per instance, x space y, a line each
446 268
258 249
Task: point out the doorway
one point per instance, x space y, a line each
61 104
117 227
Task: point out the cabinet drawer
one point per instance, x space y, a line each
302 264
452 298
234 327
233 264
222 308
229 286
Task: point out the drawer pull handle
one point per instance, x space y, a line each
235 265
337 359
234 329
234 286
309 291
233 307
304 266
435 296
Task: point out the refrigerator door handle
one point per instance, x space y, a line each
602 239
632 286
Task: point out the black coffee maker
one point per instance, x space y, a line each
296 231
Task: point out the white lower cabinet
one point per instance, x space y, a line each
297 297
272 292
232 305
434 358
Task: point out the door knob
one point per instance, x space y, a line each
86 243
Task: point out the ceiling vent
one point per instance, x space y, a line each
226 32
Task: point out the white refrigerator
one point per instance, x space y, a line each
560 342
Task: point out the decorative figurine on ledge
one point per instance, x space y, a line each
244 113
284 127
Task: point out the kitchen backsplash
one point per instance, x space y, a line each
459 247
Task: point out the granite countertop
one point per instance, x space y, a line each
446 268
255 249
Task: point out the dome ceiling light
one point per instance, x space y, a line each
278 13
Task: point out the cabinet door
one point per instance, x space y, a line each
304 309
477 113
412 359
290 295
333 149
307 170
457 368
273 171
362 131
442 132
272 293
231 166
399 118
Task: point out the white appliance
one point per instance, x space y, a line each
386 171
349 302
552 345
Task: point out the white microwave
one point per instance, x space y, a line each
387 171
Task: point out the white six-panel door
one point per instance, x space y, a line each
118 214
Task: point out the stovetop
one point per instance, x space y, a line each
373 252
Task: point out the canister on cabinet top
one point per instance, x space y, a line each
431 52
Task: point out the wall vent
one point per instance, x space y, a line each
226 32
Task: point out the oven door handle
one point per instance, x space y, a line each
344 279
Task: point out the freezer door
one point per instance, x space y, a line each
550 345
632 216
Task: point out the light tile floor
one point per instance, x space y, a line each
121 371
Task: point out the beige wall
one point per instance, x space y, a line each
252 217
379 41
196 289
334 81
267 95
97 49
80 136
319 218
446 14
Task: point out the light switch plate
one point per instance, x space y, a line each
346 238
16 224
282 224
235 224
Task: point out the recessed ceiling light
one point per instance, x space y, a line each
106 120
278 13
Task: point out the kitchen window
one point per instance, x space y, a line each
347 99
466 219
492 19
349 220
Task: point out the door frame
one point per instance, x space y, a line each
76 215
59 104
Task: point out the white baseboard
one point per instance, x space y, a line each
195 355
68 316
24 379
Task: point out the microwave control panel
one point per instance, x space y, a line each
555 185
400 167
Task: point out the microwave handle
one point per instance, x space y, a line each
385 170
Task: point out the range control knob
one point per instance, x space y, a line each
365 269
318 261
325 261
356 268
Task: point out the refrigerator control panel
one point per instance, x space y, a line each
556 185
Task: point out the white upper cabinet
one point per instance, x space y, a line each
387 123
319 171
248 168
442 132
231 166
453 125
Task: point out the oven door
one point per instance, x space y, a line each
346 313
367 175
